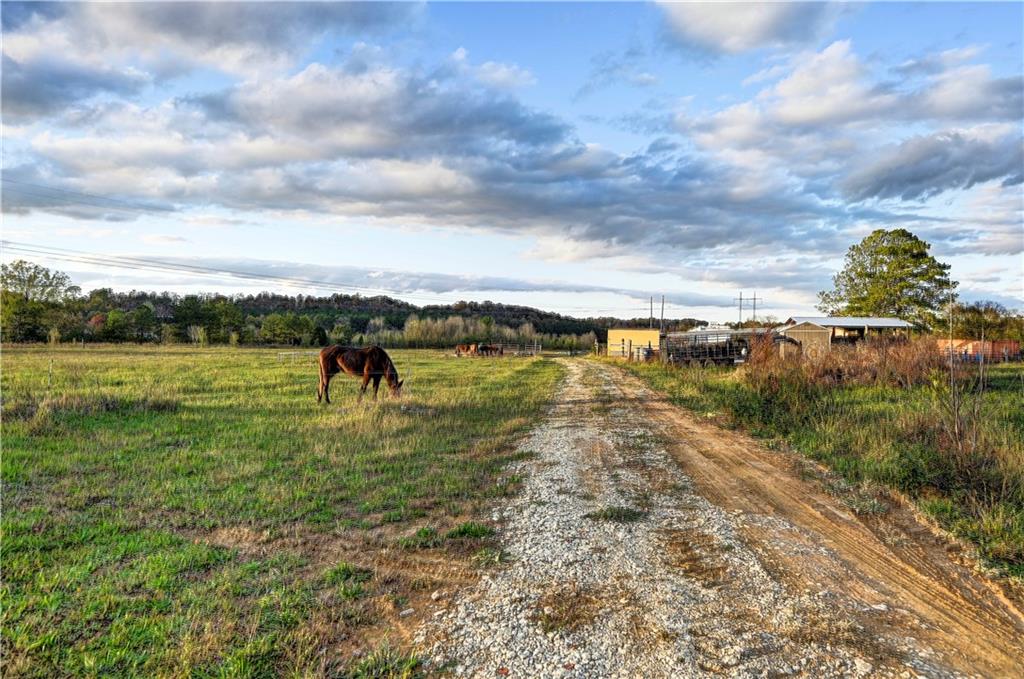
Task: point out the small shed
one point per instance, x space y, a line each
632 343
815 340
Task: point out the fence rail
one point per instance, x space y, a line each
510 349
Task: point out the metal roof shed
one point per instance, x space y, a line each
815 340
849 329
870 322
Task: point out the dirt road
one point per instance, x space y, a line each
647 542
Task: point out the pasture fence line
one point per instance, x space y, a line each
533 348
293 355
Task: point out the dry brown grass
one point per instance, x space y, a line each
35 407
693 553
875 361
567 607
813 622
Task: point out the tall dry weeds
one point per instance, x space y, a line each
796 391
873 362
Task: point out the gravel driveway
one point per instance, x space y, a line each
620 566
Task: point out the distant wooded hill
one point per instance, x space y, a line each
39 304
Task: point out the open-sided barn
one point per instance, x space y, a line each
817 334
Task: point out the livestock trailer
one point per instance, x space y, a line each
712 347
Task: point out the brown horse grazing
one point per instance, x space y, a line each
467 349
490 350
370 363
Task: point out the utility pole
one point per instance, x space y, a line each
661 325
755 302
651 324
752 300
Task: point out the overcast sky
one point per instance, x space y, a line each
574 157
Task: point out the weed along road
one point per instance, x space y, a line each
646 542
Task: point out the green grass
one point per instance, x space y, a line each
470 530
386 662
122 466
616 514
884 435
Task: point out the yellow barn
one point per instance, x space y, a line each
632 342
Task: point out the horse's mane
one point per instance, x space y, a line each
390 372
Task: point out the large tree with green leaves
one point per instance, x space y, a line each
890 273
31 294
37 283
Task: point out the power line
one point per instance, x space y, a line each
116 204
147 264
164 266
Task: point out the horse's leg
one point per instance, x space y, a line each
376 386
327 387
362 389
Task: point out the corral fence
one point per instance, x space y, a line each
977 351
700 348
500 349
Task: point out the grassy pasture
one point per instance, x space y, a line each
164 509
888 436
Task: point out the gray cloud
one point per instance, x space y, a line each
267 24
822 123
430 147
418 145
924 166
64 53
381 111
16 14
43 87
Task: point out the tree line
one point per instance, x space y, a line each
889 273
40 305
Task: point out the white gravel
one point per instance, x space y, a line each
678 593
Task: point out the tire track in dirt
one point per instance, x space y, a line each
897 576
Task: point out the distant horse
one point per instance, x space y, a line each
491 350
370 363
467 349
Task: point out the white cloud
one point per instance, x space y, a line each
734 27
830 120
505 76
162 239
826 88
493 73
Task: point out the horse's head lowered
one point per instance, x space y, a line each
396 388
